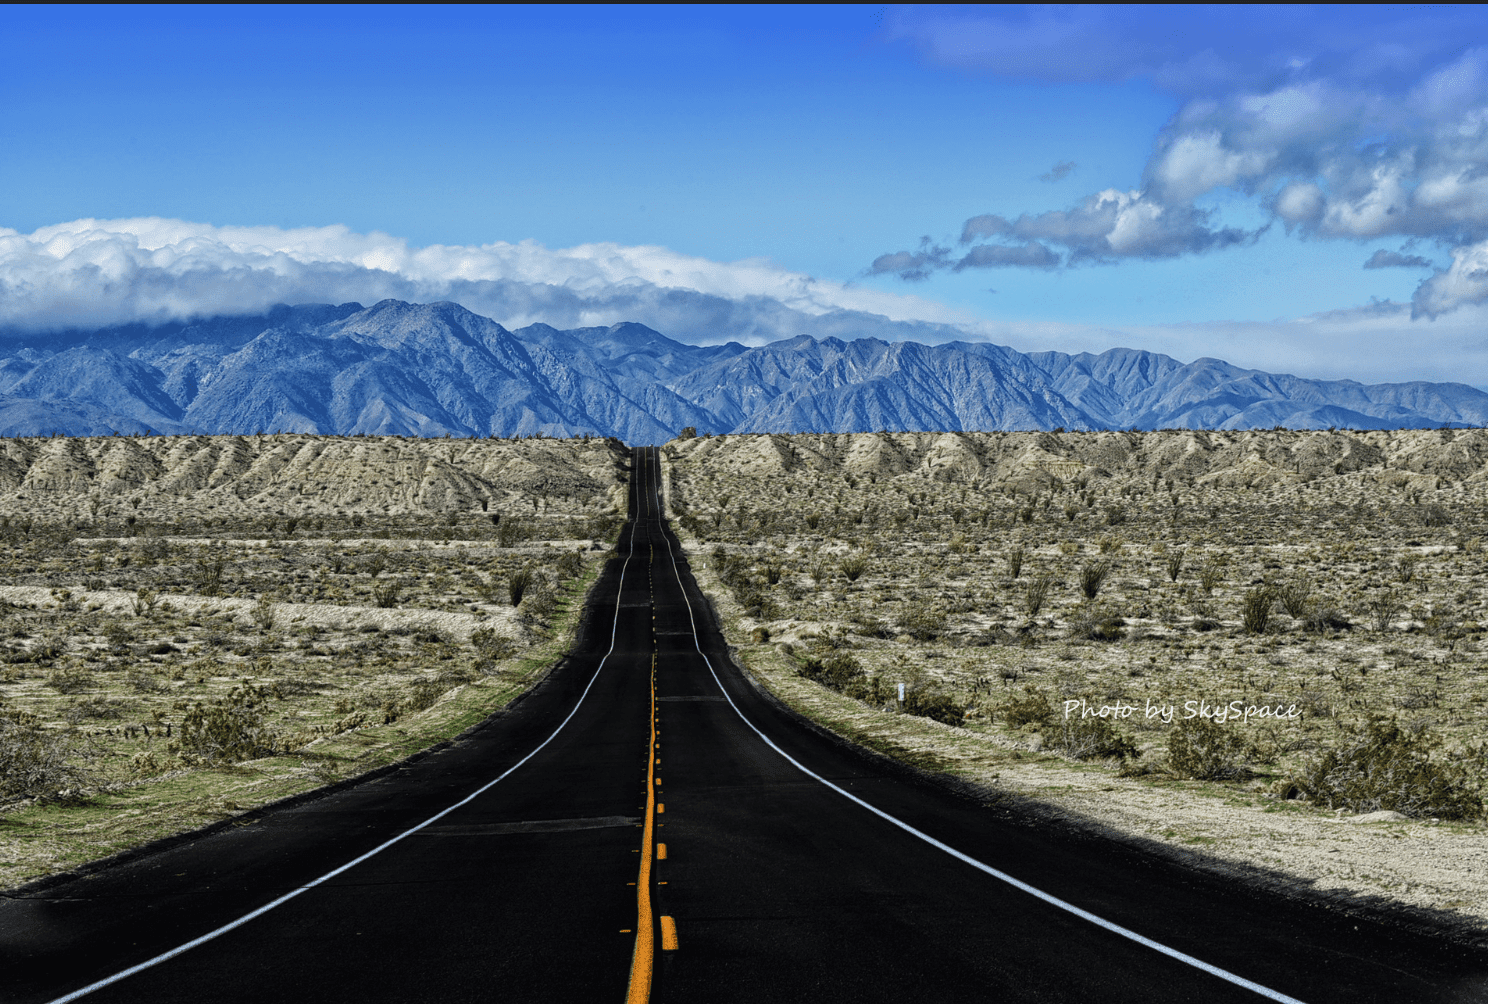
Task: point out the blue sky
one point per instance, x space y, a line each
845 149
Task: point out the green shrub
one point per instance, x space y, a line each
490 645
1296 598
570 565
936 706
1092 577
837 671
1091 739
853 566
1035 593
1200 749
1382 608
1255 609
37 764
510 532
386 593
1031 709
1382 766
517 585
922 622
229 729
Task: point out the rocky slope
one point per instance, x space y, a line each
293 475
434 369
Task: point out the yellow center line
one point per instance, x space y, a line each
645 945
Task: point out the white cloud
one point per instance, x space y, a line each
99 272
94 273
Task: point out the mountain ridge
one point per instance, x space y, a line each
436 369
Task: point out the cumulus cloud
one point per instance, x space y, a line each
91 273
1394 259
1341 124
912 266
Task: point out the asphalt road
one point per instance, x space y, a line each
795 869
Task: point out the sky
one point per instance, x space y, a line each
1298 189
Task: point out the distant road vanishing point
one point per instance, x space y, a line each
647 825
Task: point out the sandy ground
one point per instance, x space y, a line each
118 601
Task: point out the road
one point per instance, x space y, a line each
646 825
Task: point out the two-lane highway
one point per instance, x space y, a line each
647 825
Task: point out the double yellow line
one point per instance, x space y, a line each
643 960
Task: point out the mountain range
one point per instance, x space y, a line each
426 370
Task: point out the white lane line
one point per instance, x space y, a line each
1052 900
231 925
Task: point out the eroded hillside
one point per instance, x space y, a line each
110 478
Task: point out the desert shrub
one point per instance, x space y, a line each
49 645
922 622
1091 739
263 613
1382 608
229 729
853 566
518 583
1255 609
570 565
540 601
424 695
1325 618
870 626
1383 766
510 532
1174 566
1015 562
208 576
118 635
1435 515
37 764
1035 593
144 601
935 706
1200 749
1295 598
386 593
1092 577
837 671
1098 625
143 682
1210 576
490 645
1032 708
70 681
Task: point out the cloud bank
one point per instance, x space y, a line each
97 273
94 273
1338 123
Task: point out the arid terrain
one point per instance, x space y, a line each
194 626
1329 584
190 627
